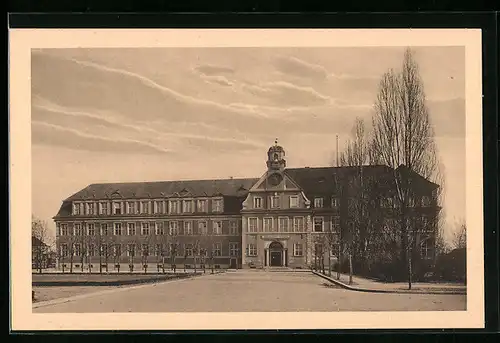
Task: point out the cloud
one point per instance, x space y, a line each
210 70
218 79
50 134
297 67
282 92
174 134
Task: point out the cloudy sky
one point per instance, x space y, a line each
109 115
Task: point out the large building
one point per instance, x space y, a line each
280 219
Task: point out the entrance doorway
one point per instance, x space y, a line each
276 254
233 263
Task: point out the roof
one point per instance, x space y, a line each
36 242
162 189
323 180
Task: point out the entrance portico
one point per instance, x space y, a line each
275 255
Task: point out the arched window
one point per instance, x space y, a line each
276 157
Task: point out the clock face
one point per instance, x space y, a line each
275 179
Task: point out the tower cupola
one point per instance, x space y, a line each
276 157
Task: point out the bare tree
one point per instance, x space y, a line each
41 241
403 136
460 236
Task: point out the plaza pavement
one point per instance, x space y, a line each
242 291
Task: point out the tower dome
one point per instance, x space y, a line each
276 157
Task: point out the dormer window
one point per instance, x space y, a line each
217 205
294 201
187 206
117 208
318 202
76 209
335 202
257 202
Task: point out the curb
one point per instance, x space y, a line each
373 290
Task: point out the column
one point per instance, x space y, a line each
283 256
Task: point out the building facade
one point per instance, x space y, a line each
282 219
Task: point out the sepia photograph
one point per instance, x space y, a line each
272 179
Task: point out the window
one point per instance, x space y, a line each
158 207
117 249
78 249
294 201
188 249
318 249
117 208
158 250
145 207
217 227
297 249
103 208
233 227
318 202
202 228
145 229
217 249
131 250
187 206
91 229
188 228
104 229
335 202
118 229
145 250
251 249
217 205
104 249
173 228
426 201
64 229
318 224
275 201
77 230
76 209
335 224
173 206
233 249
173 249
131 229
89 208
388 202
425 249
268 225
130 207
257 202
201 205
298 224
283 224
91 251
411 202
159 228
252 225
64 250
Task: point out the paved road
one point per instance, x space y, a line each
243 291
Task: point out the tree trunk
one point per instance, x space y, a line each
350 268
329 262
100 260
71 263
339 262
409 267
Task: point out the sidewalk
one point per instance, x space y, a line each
366 285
